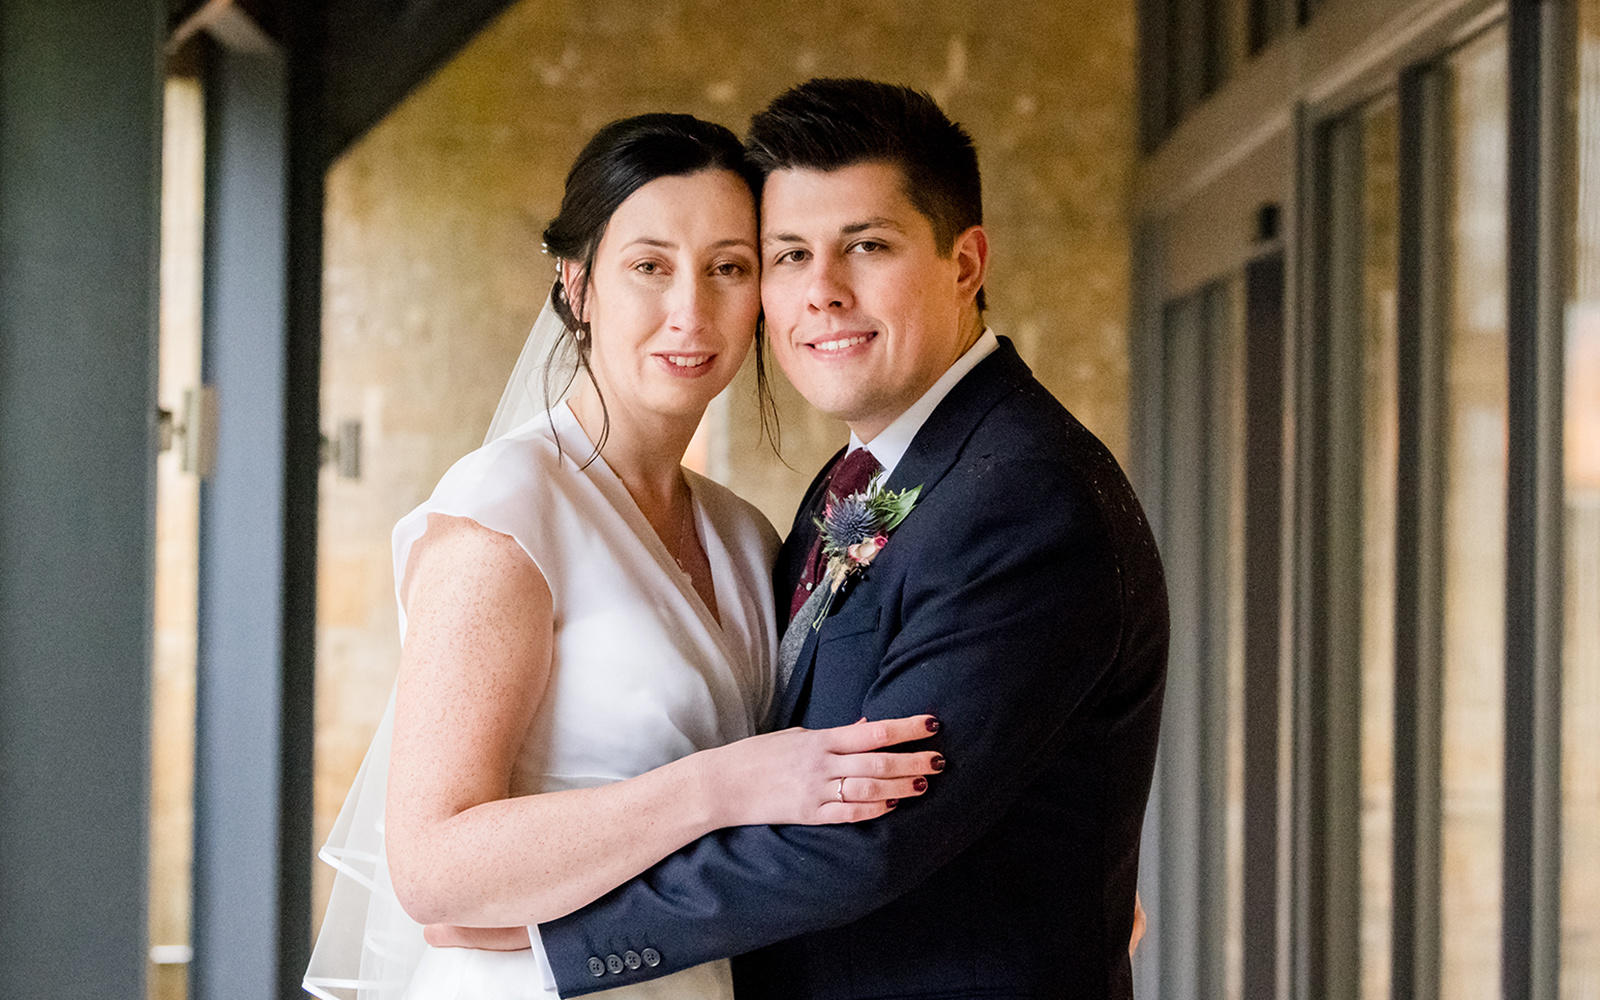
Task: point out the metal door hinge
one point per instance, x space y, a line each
194 434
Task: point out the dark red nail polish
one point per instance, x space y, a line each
892 803
921 784
933 724
937 763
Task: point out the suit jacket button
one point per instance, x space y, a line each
651 957
631 960
597 968
613 964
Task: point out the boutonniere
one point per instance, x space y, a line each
855 529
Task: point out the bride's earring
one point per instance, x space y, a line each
580 335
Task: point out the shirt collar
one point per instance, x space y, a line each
890 445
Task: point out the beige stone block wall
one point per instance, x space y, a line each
433 271
177 541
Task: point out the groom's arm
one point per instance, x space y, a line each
1006 627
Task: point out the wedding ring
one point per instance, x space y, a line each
841 789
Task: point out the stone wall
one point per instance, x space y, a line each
177 542
433 271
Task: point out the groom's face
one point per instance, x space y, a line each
863 311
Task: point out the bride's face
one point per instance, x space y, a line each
673 300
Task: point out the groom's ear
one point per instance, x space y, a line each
971 253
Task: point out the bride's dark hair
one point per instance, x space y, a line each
623 157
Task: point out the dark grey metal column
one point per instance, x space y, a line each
1264 682
241 813
308 159
1332 671
1542 125
80 114
1419 575
1301 954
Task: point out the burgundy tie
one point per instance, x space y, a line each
850 474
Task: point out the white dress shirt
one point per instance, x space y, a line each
890 444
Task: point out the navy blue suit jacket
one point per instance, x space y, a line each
1022 602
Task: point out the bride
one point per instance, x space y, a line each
588 629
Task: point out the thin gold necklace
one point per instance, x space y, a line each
683 533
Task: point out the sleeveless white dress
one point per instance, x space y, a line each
642 674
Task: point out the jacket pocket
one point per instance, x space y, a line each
848 621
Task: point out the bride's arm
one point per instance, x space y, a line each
474 668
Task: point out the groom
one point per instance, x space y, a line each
1021 601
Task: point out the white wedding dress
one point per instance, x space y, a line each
642 675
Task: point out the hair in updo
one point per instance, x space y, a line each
623 157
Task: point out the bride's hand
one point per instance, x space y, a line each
484 938
813 776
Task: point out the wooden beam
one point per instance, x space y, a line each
378 51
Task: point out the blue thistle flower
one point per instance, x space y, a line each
849 521
853 520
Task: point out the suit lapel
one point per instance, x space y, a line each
938 443
933 451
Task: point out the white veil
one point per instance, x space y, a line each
368 946
542 376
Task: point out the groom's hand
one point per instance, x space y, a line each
483 938
1138 926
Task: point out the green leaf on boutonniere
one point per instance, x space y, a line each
894 506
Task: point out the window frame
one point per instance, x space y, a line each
1540 71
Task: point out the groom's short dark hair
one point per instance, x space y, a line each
826 124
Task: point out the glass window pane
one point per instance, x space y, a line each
1203 757
1379 463
1580 695
1472 634
1186 809
1226 565
1356 691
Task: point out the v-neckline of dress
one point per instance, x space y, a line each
628 508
